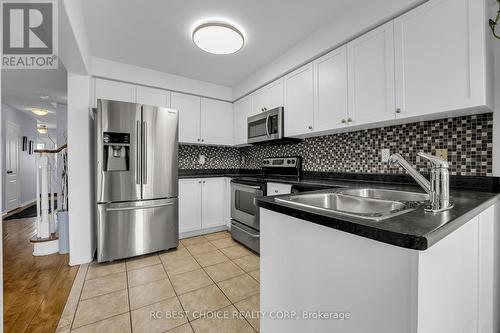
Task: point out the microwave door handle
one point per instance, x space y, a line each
267 126
138 153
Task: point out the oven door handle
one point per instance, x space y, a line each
267 126
243 230
248 186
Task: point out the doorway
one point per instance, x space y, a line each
12 189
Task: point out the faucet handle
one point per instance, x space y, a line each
436 162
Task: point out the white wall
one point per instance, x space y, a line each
344 28
496 114
27 166
80 171
134 74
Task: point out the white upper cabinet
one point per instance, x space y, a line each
216 122
299 101
214 202
441 58
115 91
242 109
189 117
275 93
370 60
330 90
153 97
268 97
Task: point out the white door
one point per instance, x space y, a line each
439 58
153 97
242 110
331 90
299 101
115 91
259 101
275 92
12 188
371 76
216 122
189 117
189 205
213 202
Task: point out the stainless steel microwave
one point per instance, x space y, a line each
266 126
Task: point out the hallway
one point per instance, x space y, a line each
35 288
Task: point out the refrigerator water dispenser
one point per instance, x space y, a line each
116 151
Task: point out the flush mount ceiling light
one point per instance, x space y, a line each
218 38
40 112
42 129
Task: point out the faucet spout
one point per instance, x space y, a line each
396 159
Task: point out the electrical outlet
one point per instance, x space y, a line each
443 153
201 159
386 153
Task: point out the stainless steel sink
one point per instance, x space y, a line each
386 194
371 204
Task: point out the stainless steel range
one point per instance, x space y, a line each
245 227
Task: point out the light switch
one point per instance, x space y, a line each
201 159
386 153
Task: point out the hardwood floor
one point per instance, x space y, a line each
35 288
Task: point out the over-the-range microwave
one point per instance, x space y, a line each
266 126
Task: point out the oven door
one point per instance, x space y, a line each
243 208
267 126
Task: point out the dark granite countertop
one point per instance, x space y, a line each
416 229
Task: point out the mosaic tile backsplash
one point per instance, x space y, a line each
468 140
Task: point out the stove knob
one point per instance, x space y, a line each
293 161
288 161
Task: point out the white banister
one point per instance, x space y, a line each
47 181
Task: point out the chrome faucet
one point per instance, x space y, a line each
439 186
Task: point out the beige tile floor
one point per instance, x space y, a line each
209 284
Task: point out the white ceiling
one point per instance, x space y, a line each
22 88
156 34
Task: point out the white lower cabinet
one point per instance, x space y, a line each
189 205
203 204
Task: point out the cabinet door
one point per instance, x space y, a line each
331 90
371 76
259 101
216 122
189 205
213 202
242 110
439 57
274 93
115 91
299 101
189 117
153 97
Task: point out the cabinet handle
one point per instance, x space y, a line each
275 191
203 182
398 110
262 109
199 140
349 120
199 182
343 121
202 140
310 127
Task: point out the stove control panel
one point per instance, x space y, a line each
282 162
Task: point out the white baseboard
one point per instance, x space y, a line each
202 231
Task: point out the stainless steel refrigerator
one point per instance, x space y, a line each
136 175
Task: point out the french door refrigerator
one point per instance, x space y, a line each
136 179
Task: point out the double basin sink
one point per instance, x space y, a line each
366 203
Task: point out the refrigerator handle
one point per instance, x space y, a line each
144 152
138 153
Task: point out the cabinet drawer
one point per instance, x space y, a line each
277 188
